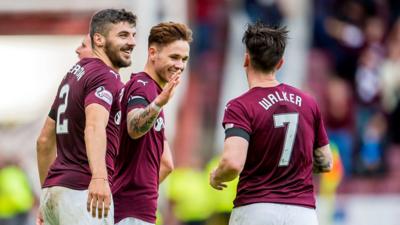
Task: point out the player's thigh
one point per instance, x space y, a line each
72 209
257 214
299 215
133 221
48 207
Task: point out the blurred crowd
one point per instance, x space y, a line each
354 69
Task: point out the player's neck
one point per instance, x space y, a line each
258 79
152 73
103 57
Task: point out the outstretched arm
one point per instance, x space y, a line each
232 162
140 120
46 148
322 162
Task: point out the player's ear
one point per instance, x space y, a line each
99 40
246 62
152 52
279 64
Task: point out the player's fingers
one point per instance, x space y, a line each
174 76
170 87
218 188
107 204
100 208
94 205
214 185
89 201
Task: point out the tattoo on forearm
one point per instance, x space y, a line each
321 163
142 120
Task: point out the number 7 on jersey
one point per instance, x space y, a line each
292 120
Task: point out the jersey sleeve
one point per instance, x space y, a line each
53 110
102 89
138 96
321 138
236 121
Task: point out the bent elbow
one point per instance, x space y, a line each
233 166
41 142
170 167
134 135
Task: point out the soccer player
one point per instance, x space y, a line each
274 138
85 49
84 125
144 158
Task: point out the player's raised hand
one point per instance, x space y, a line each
215 183
168 90
99 197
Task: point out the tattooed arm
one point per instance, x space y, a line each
140 120
322 162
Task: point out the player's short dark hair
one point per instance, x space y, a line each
265 45
168 32
102 19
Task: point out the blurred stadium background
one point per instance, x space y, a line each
344 52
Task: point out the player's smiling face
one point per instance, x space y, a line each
171 59
119 44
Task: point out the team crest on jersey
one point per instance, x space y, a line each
117 118
104 95
159 124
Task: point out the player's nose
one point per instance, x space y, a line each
132 41
77 52
180 65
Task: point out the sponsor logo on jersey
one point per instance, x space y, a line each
159 124
104 95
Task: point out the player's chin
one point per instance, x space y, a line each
125 62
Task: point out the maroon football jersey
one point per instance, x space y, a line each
89 81
283 127
137 166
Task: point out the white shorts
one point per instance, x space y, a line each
65 206
273 214
133 221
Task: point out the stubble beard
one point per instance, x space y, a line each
115 58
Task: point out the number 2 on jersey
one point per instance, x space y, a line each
291 119
62 126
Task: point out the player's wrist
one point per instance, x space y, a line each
100 178
155 106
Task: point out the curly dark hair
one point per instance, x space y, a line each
102 19
265 45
